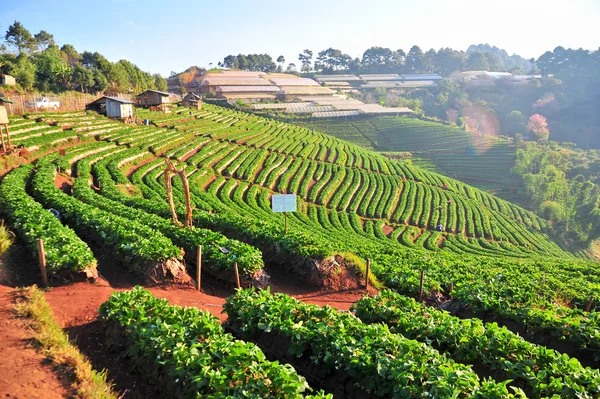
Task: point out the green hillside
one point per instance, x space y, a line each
480 160
498 257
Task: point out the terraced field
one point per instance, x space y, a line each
480 160
497 257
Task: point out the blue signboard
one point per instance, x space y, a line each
283 203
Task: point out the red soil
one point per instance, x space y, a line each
23 371
63 182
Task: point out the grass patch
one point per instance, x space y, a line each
360 266
7 238
55 345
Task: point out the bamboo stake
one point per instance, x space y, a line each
367 276
421 285
589 304
237 275
199 268
42 256
2 138
167 176
450 288
7 136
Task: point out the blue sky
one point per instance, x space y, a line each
161 36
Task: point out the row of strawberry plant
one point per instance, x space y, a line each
187 351
538 370
65 252
379 362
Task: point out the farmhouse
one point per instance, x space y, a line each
192 100
113 107
155 99
7 80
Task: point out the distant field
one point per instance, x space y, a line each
482 161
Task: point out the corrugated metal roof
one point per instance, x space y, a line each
238 89
117 99
336 78
293 82
262 96
270 106
420 76
306 90
154 91
309 109
334 114
233 81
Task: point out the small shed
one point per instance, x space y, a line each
153 98
7 80
192 100
113 107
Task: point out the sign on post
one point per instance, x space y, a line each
284 203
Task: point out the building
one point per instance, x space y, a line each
7 80
155 99
192 100
112 107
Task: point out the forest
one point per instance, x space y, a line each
39 64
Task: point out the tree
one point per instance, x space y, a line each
25 71
414 60
332 60
539 126
306 59
160 82
291 68
448 61
477 62
70 55
83 77
43 40
19 37
379 58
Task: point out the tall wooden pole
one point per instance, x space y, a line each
589 304
285 216
367 276
237 275
2 138
199 268
42 257
421 285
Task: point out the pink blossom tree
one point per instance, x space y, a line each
539 126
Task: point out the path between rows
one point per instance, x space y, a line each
24 374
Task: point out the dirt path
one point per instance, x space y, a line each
24 374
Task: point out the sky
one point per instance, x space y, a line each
163 36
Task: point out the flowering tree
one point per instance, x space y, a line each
539 126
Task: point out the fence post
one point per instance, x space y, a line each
589 304
367 276
199 268
42 256
237 275
421 285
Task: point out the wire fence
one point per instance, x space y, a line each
70 101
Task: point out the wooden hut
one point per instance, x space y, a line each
113 107
157 100
192 100
7 80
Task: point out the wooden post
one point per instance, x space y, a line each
42 256
421 285
367 276
285 217
2 138
237 275
450 288
589 304
199 268
7 136
167 176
